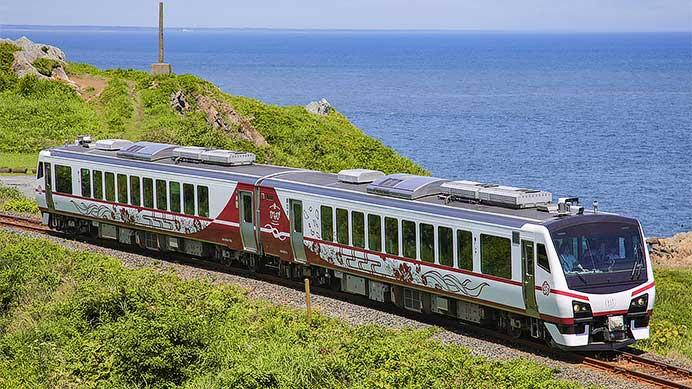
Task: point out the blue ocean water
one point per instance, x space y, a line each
599 116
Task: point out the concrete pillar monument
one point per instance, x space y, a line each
161 67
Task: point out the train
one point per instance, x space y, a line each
486 254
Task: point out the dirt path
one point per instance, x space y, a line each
90 87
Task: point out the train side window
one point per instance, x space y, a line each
148 189
427 242
63 179
391 235
375 232
135 192
327 221
174 190
86 182
203 200
465 249
189 199
342 226
358 229
161 197
408 235
543 257
98 184
247 207
39 170
122 188
110 186
496 256
445 243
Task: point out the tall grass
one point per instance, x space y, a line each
78 319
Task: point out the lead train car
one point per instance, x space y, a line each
486 254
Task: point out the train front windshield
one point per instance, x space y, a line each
601 255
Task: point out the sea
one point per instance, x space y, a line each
600 116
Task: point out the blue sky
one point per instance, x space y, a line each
522 15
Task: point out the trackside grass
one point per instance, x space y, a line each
671 324
78 319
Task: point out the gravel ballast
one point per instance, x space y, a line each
350 313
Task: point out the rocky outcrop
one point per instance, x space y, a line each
24 59
673 252
321 107
219 114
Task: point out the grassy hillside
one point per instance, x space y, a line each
76 319
131 104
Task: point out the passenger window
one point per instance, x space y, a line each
543 257
110 186
327 218
63 179
445 242
135 192
358 229
247 207
122 188
39 170
203 200
427 242
174 189
297 216
98 185
342 226
189 199
375 232
148 186
86 182
161 197
465 249
496 256
391 235
408 235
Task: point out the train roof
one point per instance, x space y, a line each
416 193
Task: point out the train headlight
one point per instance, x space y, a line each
581 309
639 304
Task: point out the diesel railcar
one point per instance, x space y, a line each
487 254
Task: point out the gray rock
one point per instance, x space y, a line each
321 107
24 59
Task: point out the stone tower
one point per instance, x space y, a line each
161 67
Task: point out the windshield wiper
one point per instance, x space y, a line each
637 267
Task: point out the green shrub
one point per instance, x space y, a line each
45 66
73 319
117 104
23 205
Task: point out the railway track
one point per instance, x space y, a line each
627 364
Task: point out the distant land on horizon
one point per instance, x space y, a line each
104 28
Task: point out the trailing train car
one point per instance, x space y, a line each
482 253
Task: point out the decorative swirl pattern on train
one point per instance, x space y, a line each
450 283
383 266
275 232
159 220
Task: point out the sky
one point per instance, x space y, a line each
493 15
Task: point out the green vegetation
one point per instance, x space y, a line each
671 324
18 160
45 66
12 200
36 114
71 319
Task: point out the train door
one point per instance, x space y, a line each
48 184
296 216
528 260
247 225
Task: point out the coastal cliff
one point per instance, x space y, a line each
46 100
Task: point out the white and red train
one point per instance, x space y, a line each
482 253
